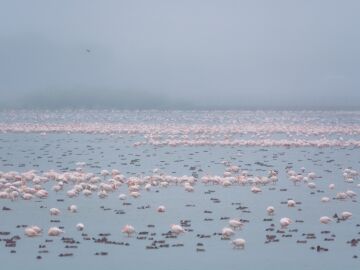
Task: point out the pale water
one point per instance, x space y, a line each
206 211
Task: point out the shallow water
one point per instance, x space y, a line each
60 152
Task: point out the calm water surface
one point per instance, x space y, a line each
23 152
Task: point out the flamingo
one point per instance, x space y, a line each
55 231
80 226
270 210
176 229
188 187
72 208
128 229
291 203
239 243
325 199
122 196
227 232
255 189
161 209
346 215
135 194
285 222
32 231
235 224
325 220
54 211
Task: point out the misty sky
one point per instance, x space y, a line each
179 54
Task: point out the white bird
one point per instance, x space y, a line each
312 175
177 229
325 199
161 209
54 211
27 196
80 226
312 185
55 231
350 193
102 194
71 193
325 220
87 192
148 187
122 196
72 208
104 173
346 215
189 188
291 203
235 224
255 189
32 231
135 194
226 183
285 221
341 196
56 188
239 243
270 210
4 195
41 194
227 232
128 229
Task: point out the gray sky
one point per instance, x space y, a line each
180 54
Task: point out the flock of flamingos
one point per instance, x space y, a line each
29 185
170 134
80 184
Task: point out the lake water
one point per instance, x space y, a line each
41 148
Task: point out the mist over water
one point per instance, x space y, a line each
179 54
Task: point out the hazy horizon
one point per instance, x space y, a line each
180 54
